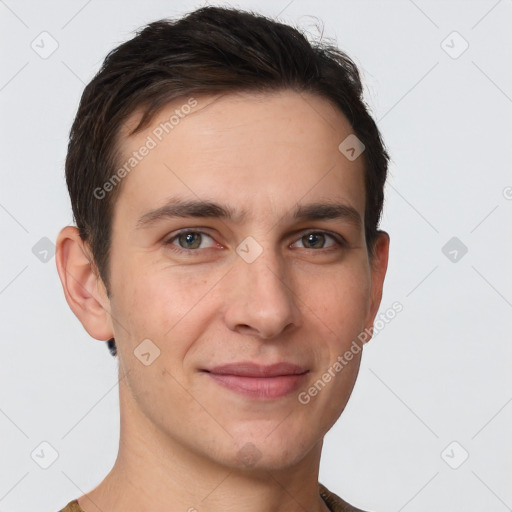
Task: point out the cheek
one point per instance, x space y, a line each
341 297
167 305
340 304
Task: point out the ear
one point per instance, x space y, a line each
84 290
379 265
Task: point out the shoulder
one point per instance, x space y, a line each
72 506
335 503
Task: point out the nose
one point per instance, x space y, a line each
261 300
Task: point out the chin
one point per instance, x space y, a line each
270 451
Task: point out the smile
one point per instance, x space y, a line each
259 382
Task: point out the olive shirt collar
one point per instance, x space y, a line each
334 502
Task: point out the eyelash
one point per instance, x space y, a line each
338 239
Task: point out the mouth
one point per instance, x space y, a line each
258 381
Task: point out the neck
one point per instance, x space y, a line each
154 472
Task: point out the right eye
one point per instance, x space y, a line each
189 241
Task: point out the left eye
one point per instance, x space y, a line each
316 240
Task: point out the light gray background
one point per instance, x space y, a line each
438 373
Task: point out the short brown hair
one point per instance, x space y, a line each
209 50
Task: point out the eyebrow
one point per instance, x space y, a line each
176 208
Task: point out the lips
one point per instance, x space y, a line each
259 381
249 369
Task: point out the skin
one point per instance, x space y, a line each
301 301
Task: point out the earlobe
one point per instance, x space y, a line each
379 265
83 288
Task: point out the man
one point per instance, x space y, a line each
227 182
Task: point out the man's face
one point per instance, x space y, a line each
263 288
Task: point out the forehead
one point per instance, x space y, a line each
254 149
